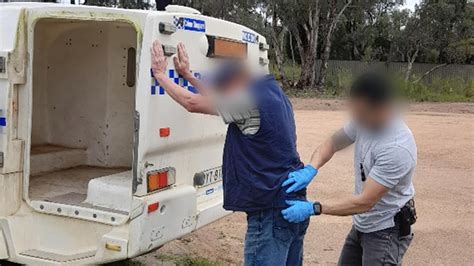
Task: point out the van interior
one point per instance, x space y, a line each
83 113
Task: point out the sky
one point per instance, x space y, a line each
411 4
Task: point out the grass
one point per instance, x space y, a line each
168 260
440 90
452 89
188 260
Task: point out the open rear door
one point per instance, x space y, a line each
12 77
173 145
171 139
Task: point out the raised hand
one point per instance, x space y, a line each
298 211
181 61
158 59
300 179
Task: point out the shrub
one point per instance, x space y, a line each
452 89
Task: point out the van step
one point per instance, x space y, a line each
46 158
45 255
77 199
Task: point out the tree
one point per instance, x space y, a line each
413 37
302 19
331 20
435 33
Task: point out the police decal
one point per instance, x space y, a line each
249 37
191 24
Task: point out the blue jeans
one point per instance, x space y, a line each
271 240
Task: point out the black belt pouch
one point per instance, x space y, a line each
406 217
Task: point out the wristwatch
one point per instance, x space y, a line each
317 208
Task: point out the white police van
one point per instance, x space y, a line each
97 163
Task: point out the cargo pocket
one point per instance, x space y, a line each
282 230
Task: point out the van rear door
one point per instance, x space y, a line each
12 78
173 145
172 141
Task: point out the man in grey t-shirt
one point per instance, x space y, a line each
384 163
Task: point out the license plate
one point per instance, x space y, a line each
208 177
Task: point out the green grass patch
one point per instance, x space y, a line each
452 89
440 90
188 260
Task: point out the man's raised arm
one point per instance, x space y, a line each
194 103
181 64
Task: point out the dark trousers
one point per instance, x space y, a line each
271 240
384 247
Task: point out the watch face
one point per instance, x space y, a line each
317 208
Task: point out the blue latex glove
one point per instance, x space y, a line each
298 211
300 179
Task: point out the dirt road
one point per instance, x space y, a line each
444 182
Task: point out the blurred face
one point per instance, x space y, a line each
368 115
235 85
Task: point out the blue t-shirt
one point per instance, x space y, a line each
389 158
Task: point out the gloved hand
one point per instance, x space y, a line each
298 211
300 179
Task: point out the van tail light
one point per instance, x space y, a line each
159 179
165 132
153 207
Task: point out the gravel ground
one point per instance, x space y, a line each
444 234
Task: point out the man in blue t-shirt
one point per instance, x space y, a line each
384 162
259 151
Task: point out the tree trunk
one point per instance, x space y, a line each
277 38
332 20
408 71
411 60
292 57
308 51
280 60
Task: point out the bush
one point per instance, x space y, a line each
338 84
452 89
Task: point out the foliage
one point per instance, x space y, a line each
440 90
453 89
300 32
188 261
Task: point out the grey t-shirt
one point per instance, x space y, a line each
389 158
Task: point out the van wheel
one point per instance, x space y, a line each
8 263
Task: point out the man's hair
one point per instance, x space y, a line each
375 88
226 72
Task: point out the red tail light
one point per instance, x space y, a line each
159 179
153 207
165 132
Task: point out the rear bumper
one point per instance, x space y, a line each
33 238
